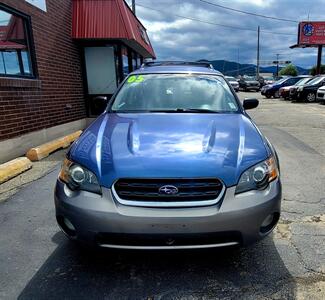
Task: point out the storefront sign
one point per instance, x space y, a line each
41 4
311 33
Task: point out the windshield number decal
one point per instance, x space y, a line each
136 79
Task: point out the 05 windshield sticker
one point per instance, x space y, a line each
135 79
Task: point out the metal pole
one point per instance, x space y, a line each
319 60
237 62
258 53
277 65
133 6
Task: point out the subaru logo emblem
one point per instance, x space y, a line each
168 190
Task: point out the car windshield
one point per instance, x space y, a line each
281 81
175 93
230 78
303 81
315 80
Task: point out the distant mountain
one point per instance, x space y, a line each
233 69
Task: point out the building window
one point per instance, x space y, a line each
144 35
15 58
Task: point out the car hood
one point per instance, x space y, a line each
169 145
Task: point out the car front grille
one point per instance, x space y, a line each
168 191
320 95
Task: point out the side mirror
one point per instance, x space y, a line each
100 100
250 103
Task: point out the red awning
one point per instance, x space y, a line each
110 19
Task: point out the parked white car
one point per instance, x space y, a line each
234 83
321 95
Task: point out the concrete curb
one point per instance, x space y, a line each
13 168
42 151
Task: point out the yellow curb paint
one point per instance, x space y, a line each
13 168
42 151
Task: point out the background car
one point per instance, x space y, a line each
321 95
273 90
293 89
249 83
234 83
269 80
284 92
307 92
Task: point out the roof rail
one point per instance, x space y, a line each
177 63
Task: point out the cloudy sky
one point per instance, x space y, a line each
174 37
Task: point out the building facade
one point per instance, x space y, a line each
56 57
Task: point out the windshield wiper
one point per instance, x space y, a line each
201 110
185 110
177 110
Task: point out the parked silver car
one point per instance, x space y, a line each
320 96
234 83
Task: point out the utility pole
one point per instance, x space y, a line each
237 62
258 54
133 6
277 65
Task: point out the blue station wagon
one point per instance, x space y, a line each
174 162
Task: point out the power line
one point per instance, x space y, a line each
248 13
212 23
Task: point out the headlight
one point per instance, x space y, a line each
258 176
79 178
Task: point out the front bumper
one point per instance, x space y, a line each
265 92
252 88
102 221
320 96
284 94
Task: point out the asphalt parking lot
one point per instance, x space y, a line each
37 261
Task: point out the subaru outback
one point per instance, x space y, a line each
174 162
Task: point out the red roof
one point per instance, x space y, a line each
110 19
12 36
11 45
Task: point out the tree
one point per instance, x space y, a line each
289 70
313 70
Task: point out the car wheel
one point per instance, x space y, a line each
311 97
276 94
268 96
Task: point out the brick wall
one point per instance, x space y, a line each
56 96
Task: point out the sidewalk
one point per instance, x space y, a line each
39 169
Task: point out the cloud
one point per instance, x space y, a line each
177 38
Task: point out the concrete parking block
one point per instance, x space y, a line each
13 168
42 151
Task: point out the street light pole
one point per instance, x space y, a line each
258 53
277 65
237 62
133 6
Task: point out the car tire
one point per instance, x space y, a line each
268 96
276 94
311 97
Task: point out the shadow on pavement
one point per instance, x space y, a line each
72 272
